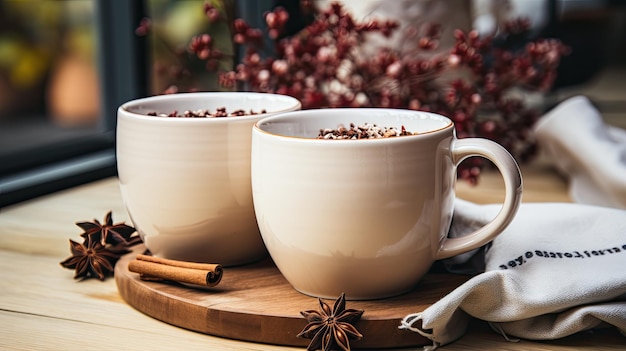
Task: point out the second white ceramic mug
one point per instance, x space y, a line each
365 217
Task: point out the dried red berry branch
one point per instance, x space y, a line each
479 83
103 245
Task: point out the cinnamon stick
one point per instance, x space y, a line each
155 268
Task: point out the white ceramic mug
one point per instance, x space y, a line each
365 217
185 182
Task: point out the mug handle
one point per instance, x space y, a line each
464 148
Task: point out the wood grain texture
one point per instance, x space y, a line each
255 303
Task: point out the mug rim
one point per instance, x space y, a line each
258 124
124 108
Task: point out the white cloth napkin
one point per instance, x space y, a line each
558 269
587 151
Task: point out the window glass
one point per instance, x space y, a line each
49 86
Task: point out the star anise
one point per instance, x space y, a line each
328 328
102 246
107 232
92 259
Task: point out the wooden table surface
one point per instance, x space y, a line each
43 308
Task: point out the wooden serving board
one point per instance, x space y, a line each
255 303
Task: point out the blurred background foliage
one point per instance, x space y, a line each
39 41
173 24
